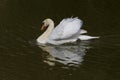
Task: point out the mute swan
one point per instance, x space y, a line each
69 30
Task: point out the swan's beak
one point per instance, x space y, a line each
43 27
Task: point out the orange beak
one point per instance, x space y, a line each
43 27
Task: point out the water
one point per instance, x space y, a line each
22 59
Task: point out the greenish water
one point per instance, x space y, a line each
22 59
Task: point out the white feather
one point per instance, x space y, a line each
86 37
66 29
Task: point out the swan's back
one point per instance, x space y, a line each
66 29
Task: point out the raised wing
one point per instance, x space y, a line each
67 28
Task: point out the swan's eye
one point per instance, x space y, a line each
44 26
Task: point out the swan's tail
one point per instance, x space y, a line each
86 37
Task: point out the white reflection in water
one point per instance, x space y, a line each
70 55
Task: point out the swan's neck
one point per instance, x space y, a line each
44 37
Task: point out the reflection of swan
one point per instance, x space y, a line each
69 30
71 55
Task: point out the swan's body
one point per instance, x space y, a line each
69 30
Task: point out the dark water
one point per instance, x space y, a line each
22 59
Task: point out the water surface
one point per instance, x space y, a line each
22 59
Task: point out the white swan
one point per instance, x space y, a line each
69 30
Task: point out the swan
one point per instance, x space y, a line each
67 31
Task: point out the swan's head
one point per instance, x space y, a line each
46 23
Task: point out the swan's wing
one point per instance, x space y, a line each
67 28
82 31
